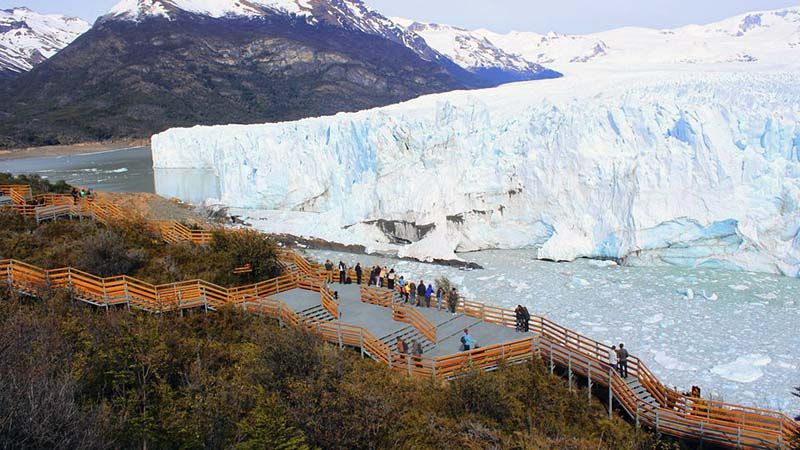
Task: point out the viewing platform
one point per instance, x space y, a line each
371 319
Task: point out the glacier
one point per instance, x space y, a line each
676 167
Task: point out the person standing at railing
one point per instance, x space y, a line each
412 290
518 316
416 351
452 301
428 295
402 349
329 271
421 295
342 272
622 356
390 280
439 298
359 273
612 358
526 319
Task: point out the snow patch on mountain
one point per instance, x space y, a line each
470 50
28 38
349 14
757 38
672 167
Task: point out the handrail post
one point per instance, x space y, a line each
637 413
552 366
610 391
361 341
127 293
589 381
569 368
339 333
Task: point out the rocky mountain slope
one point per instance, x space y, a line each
153 64
28 38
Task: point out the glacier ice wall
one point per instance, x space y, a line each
678 168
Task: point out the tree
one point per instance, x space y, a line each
268 426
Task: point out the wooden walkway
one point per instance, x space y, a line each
370 319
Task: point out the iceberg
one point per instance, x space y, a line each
696 169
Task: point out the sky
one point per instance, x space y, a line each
565 16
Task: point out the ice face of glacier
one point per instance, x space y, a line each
670 167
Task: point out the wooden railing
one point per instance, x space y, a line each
414 318
674 413
377 296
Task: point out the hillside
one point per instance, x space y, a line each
76 376
126 79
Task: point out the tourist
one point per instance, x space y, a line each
381 277
74 195
526 319
439 297
428 295
412 289
416 351
518 316
359 273
402 348
622 357
342 272
401 284
452 301
421 294
406 292
467 341
612 358
329 271
390 280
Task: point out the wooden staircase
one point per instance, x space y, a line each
408 334
317 314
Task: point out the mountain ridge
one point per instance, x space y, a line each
28 38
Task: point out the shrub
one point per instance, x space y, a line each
236 249
38 184
106 254
444 283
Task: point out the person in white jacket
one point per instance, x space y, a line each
612 357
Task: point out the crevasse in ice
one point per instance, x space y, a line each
683 168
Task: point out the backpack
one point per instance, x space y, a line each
463 340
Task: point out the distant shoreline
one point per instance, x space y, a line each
76 149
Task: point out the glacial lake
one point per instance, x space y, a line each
734 335
126 170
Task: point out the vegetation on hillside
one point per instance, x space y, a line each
38 184
133 248
82 378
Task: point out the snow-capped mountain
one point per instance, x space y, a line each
349 14
749 40
28 38
476 53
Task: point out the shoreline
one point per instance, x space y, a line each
86 148
303 243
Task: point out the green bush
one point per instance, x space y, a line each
229 379
132 247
